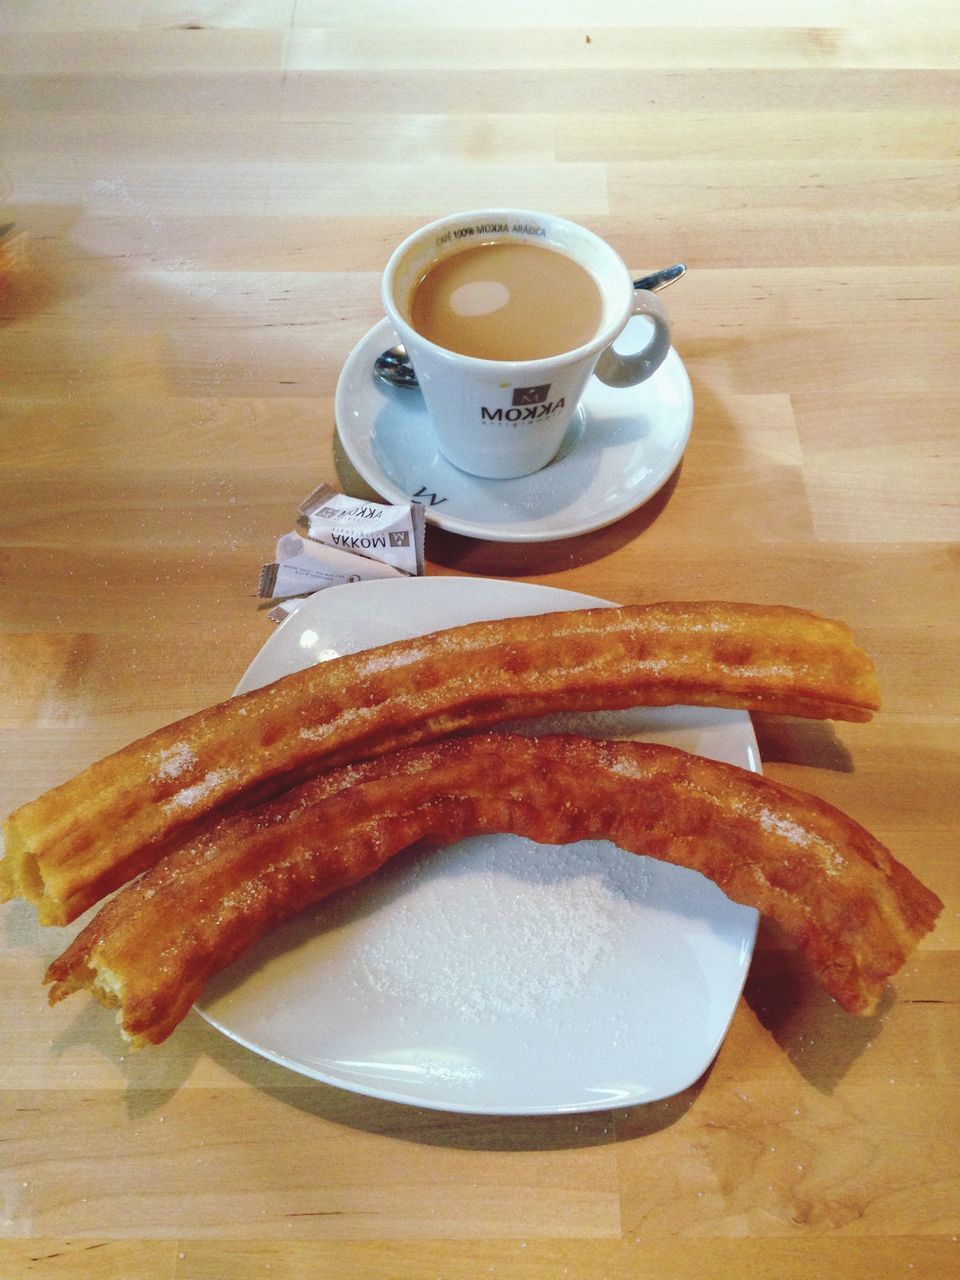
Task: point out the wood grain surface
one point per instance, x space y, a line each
204 194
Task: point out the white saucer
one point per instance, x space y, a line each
623 446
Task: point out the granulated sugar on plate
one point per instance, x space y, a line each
508 929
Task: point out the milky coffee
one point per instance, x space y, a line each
507 300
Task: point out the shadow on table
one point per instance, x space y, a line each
818 1037
791 740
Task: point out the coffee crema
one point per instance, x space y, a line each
507 300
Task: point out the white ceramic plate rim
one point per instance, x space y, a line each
610 496
337 620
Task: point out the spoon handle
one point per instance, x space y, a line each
660 279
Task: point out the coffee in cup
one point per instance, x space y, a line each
506 315
504 300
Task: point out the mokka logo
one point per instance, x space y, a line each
401 539
530 395
528 411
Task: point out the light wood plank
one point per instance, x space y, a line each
384 46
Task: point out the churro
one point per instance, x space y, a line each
73 845
851 908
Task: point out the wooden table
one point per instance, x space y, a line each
204 196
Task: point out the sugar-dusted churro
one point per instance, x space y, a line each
82 840
852 909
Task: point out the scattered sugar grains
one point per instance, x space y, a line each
189 796
518 927
176 760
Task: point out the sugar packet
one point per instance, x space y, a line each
392 534
303 566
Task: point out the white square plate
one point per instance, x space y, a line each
496 976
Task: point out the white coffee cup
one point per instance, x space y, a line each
505 418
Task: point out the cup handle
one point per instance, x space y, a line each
627 370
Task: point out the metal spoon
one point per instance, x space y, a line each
394 365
